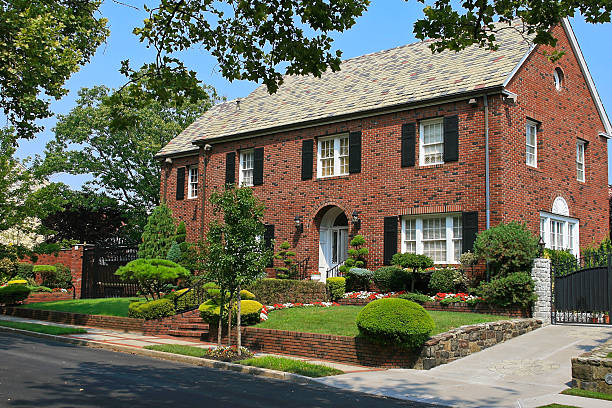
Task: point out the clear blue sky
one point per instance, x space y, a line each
387 24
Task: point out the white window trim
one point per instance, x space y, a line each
581 144
450 252
574 246
241 182
336 139
422 124
535 146
190 182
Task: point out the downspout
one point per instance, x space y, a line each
487 176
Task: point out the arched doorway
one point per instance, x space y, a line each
333 240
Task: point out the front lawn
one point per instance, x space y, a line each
579 392
42 328
107 307
291 365
340 320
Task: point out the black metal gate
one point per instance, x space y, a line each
100 262
582 290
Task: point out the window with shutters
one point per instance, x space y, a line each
580 161
192 191
431 142
246 168
333 156
559 232
531 144
439 237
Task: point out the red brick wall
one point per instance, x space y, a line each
384 188
48 297
72 258
565 116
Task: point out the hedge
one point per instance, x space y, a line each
250 311
155 309
391 279
11 294
336 287
271 291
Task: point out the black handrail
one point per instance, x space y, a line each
199 297
334 271
301 269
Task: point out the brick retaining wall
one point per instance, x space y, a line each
439 349
589 370
37 297
454 307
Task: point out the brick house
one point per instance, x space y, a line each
417 152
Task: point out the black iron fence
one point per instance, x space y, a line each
99 266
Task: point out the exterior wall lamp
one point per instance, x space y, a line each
356 221
299 225
541 244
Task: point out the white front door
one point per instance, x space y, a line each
324 253
333 248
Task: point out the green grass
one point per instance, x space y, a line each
340 320
557 406
609 355
587 394
178 349
107 307
290 365
42 328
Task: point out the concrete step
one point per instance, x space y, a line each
196 334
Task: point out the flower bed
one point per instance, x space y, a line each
277 306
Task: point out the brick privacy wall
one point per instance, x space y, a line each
440 349
106 322
452 307
519 191
38 297
71 257
384 188
589 370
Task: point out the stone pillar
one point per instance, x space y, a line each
540 273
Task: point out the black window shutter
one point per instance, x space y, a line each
451 138
470 230
258 163
269 240
230 168
408 144
390 239
180 183
307 147
355 152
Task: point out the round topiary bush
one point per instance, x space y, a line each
395 321
250 312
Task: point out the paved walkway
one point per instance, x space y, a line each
527 371
136 340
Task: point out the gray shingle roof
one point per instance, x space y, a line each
401 75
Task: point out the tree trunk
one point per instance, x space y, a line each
220 319
229 321
238 334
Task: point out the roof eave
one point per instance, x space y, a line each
353 115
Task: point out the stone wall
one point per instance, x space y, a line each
440 349
540 273
590 369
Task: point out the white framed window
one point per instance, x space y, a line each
560 232
333 156
580 160
437 236
192 190
531 144
558 78
431 142
246 168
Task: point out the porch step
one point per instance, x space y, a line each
192 326
195 334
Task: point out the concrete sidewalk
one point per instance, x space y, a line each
527 371
139 341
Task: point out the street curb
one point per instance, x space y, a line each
178 358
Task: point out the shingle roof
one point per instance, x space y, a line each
401 75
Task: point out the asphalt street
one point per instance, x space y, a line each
41 373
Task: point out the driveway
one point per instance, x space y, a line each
524 372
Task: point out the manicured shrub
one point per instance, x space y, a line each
358 279
508 248
514 290
42 289
246 295
287 271
357 255
395 321
250 312
391 278
415 263
11 294
183 300
17 282
158 234
336 287
271 291
25 270
415 297
62 278
152 275
174 254
155 309
447 280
